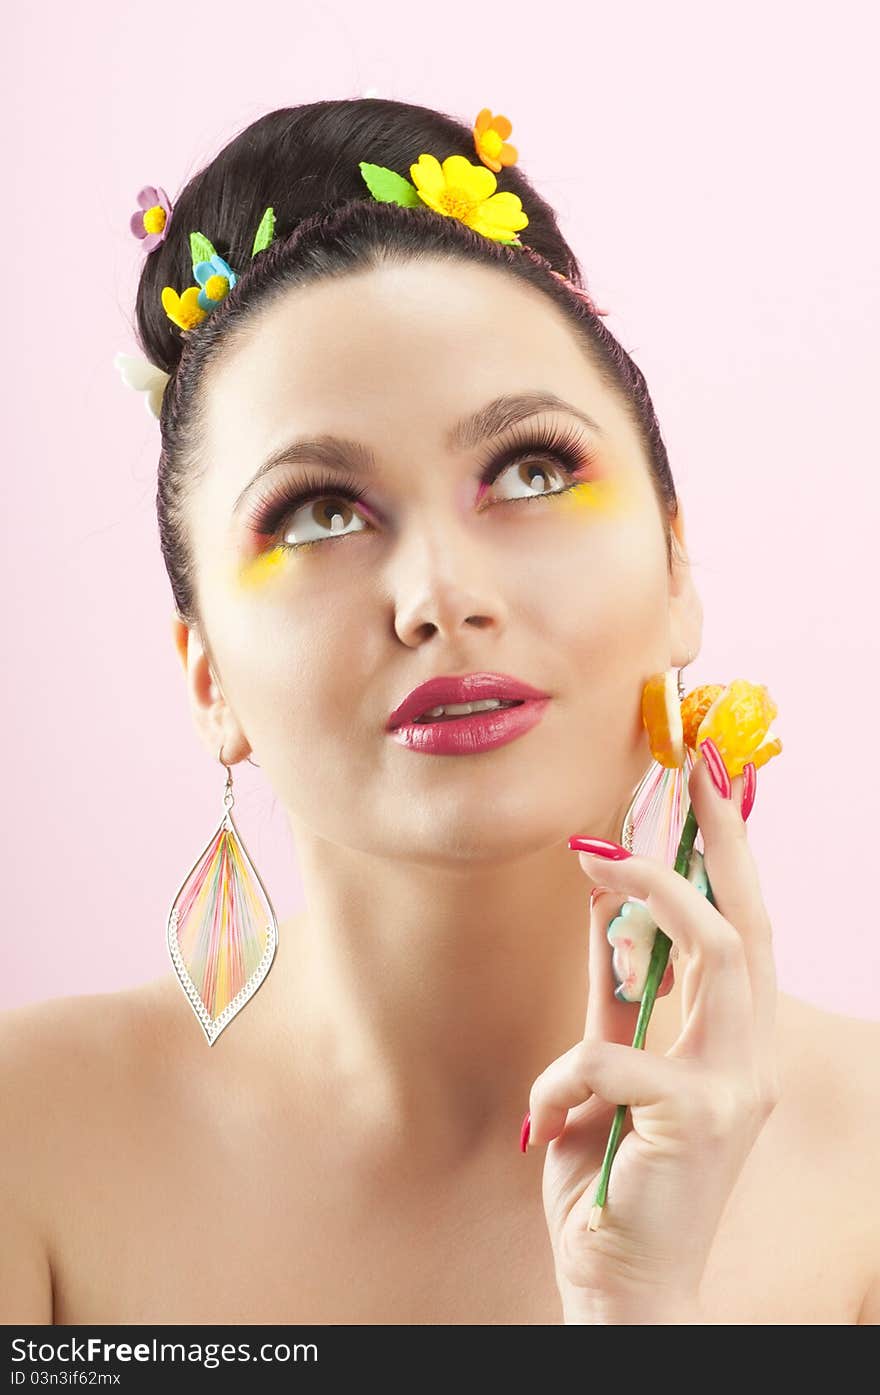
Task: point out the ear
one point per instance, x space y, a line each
685 606
214 719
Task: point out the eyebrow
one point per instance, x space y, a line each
495 417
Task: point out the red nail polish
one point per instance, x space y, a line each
524 1132
717 768
597 891
600 847
750 785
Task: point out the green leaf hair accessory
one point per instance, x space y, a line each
387 186
202 250
265 232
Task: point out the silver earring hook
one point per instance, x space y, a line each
229 767
681 684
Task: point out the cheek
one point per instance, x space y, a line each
601 498
261 571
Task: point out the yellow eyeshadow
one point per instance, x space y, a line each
594 496
260 569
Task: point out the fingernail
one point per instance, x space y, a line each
750 785
717 768
597 891
524 1132
600 847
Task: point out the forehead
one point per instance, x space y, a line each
402 348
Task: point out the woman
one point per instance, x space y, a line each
348 1150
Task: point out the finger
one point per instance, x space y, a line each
723 1000
615 1073
736 889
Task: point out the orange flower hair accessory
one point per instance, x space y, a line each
490 140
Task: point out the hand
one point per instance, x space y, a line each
696 1111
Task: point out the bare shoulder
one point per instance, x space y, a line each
831 1093
57 1043
64 1064
843 1053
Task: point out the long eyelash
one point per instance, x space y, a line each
567 443
275 505
528 441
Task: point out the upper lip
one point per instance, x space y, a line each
466 687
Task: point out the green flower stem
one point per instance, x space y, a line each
656 970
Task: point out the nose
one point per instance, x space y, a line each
444 581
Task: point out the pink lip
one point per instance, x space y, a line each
468 687
478 732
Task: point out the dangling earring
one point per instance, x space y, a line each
654 820
222 932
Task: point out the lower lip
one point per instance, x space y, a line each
463 736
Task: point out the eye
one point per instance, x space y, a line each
533 458
320 508
323 507
533 476
331 515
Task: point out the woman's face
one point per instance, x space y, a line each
427 575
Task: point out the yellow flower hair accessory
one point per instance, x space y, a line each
456 189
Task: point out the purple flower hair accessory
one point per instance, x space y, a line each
149 222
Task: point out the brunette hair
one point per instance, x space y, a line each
303 161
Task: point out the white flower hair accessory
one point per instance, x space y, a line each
145 377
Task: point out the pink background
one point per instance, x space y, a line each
714 169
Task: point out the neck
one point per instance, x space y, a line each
430 995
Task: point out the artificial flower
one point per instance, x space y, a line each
140 374
631 934
694 708
184 310
738 721
490 141
458 189
216 278
736 717
149 222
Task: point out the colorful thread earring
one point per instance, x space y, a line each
222 932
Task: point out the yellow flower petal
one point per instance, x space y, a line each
499 216
474 181
738 722
771 747
694 708
183 310
427 176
